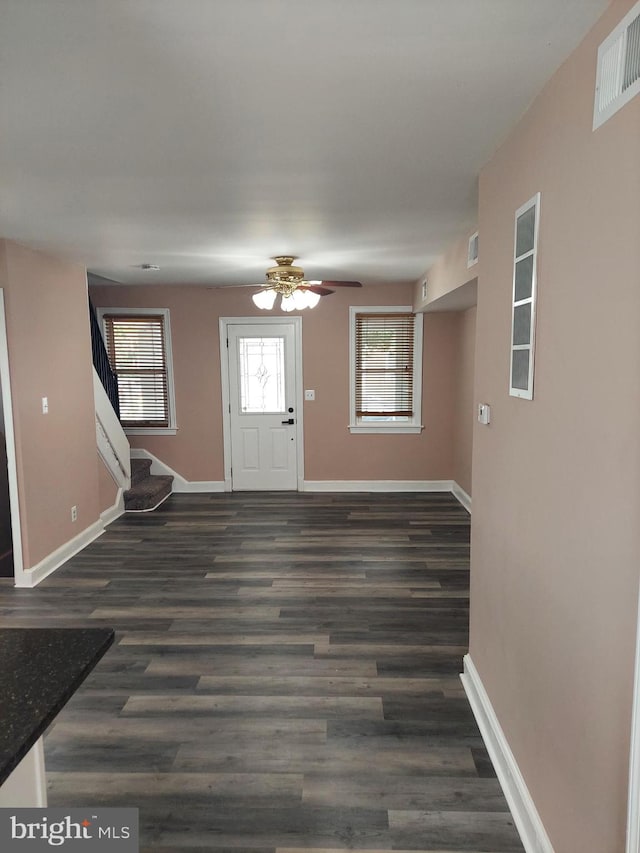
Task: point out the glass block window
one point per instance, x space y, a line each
523 303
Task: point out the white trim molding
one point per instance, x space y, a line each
32 577
633 810
458 492
115 511
111 440
378 486
180 485
526 817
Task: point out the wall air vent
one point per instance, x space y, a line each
472 252
618 72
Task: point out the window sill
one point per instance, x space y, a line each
401 429
151 430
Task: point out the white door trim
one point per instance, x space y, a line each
7 405
224 323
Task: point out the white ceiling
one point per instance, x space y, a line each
206 136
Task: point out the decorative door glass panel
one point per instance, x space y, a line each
262 379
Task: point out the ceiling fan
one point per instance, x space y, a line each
295 291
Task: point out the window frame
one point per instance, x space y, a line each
525 393
172 427
412 426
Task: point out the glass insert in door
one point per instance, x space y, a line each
262 380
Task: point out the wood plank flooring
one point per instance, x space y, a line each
284 678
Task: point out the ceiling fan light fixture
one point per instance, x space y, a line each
296 293
288 303
264 299
300 299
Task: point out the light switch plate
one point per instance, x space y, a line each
45 405
310 395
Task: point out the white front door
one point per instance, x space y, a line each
262 400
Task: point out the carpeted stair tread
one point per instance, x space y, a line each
148 493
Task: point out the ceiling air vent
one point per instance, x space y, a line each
618 73
472 251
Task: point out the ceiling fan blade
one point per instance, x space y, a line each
341 283
314 288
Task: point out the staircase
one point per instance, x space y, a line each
147 490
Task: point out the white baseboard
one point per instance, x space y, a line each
633 806
114 511
390 486
180 485
527 820
32 577
459 493
151 508
377 486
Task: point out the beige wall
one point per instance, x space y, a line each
50 356
464 410
556 500
331 452
448 273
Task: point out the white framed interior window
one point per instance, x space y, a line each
523 301
385 369
138 344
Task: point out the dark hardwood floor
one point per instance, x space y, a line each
284 677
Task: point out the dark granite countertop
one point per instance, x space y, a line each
40 670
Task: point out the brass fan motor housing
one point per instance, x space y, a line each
285 271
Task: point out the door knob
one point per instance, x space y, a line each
290 421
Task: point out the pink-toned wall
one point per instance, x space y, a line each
331 452
464 410
447 273
50 356
556 485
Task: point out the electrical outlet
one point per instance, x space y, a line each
74 513
309 395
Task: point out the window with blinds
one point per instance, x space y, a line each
136 345
386 351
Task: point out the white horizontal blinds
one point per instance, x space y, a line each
524 300
384 365
136 348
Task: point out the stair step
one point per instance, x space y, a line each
148 493
140 470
